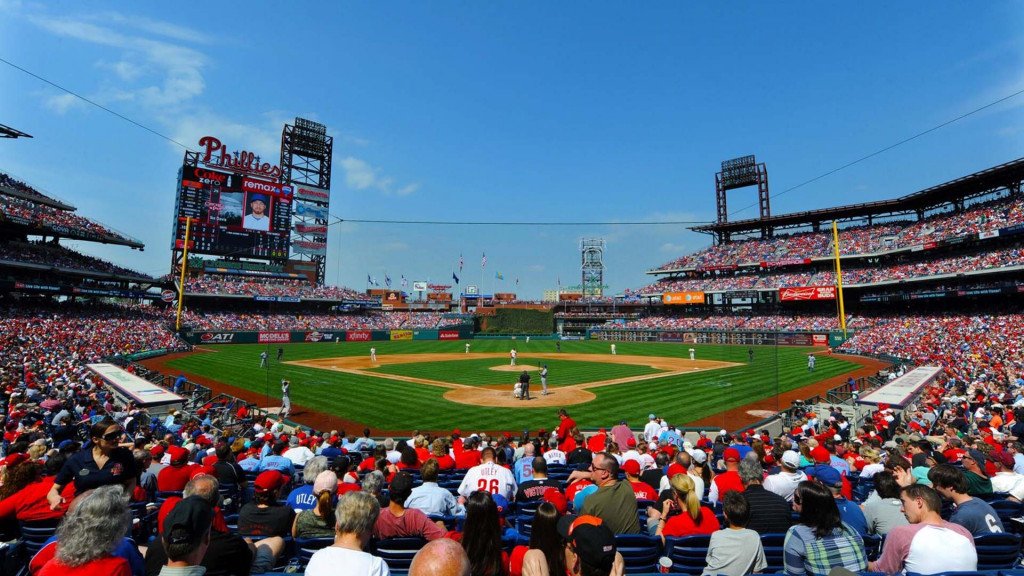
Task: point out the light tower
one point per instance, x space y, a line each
592 268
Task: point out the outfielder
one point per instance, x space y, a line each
544 380
263 359
810 362
373 354
693 354
467 347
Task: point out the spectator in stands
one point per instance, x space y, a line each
430 498
769 512
589 547
682 514
653 476
498 479
553 454
736 550
641 490
145 483
186 537
297 452
728 480
227 470
442 557
23 492
264 516
533 490
303 498
102 464
928 544
784 482
546 549
972 513
228 553
978 482
481 536
523 467
884 513
397 521
88 537
318 521
820 541
276 461
174 477
849 512
1005 480
355 516
614 501
373 484
439 452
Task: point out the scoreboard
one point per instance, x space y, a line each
232 214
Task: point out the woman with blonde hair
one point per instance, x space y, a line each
874 462
683 514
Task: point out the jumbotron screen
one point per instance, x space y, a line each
233 214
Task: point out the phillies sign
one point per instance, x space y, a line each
807 293
238 161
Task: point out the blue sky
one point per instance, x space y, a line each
523 111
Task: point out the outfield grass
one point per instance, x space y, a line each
392 405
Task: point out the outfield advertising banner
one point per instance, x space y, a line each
217 338
311 193
323 336
424 335
448 335
736 338
358 336
682 298
803 293
672 337
401 335
274 337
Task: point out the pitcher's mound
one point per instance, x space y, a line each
516 368
503 397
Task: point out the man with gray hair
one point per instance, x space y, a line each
302 497
554 455
297 453
392 455
356 515
228 554
769 512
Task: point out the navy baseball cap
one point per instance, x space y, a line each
255 197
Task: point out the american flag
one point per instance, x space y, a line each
460 262
483 261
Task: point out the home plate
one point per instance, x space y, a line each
761 413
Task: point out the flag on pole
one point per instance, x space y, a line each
404 281
368 279
387 280
498 276
517 280
454 277
483 261
460 262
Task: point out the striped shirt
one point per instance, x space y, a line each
806 554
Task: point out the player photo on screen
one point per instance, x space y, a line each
257 212
230 209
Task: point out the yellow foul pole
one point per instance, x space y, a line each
184 267
839 277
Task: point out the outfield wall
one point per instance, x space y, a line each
295 336
746 338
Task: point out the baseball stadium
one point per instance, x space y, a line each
871 349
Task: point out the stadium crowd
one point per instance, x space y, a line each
259 286
8 181
984 217
207 320
62 257
1011 256
57 221
779 322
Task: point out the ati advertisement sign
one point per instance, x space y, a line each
217 337
807 293
357 336
448 335
401 334
673 298
273 337
311 193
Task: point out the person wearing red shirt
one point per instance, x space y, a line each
598 442
642 491
91 531
689 517
728 480
438 452
564 432
29 504
174 477
469 456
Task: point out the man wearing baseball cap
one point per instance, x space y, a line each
186 537
256 217
1005 480
849 512
728 480
642 491
978 483
264 516
589 547
784 482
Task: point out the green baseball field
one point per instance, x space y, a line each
430 385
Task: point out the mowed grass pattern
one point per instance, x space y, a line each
388 405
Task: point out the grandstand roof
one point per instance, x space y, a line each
962 188
8 132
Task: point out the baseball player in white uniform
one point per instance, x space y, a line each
467 347
488 477
512 354
263 359
693 354
373 354
286 400
544 380
613 349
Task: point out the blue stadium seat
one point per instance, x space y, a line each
873 546
773 551
397 552
997 551
640 552
35 534
688 554
306 547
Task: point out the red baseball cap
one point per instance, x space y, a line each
631 442
270 480
821 455
555 497
631 467
178 454
731 455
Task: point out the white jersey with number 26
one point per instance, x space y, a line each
489 477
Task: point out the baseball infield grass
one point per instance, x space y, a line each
385 404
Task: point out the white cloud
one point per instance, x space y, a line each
394 247
671 248
62 103
361 175
535 268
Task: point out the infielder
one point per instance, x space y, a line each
286 401
544 380
613 349
263 359
512 354
373 354
810 362
693 354
467 347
